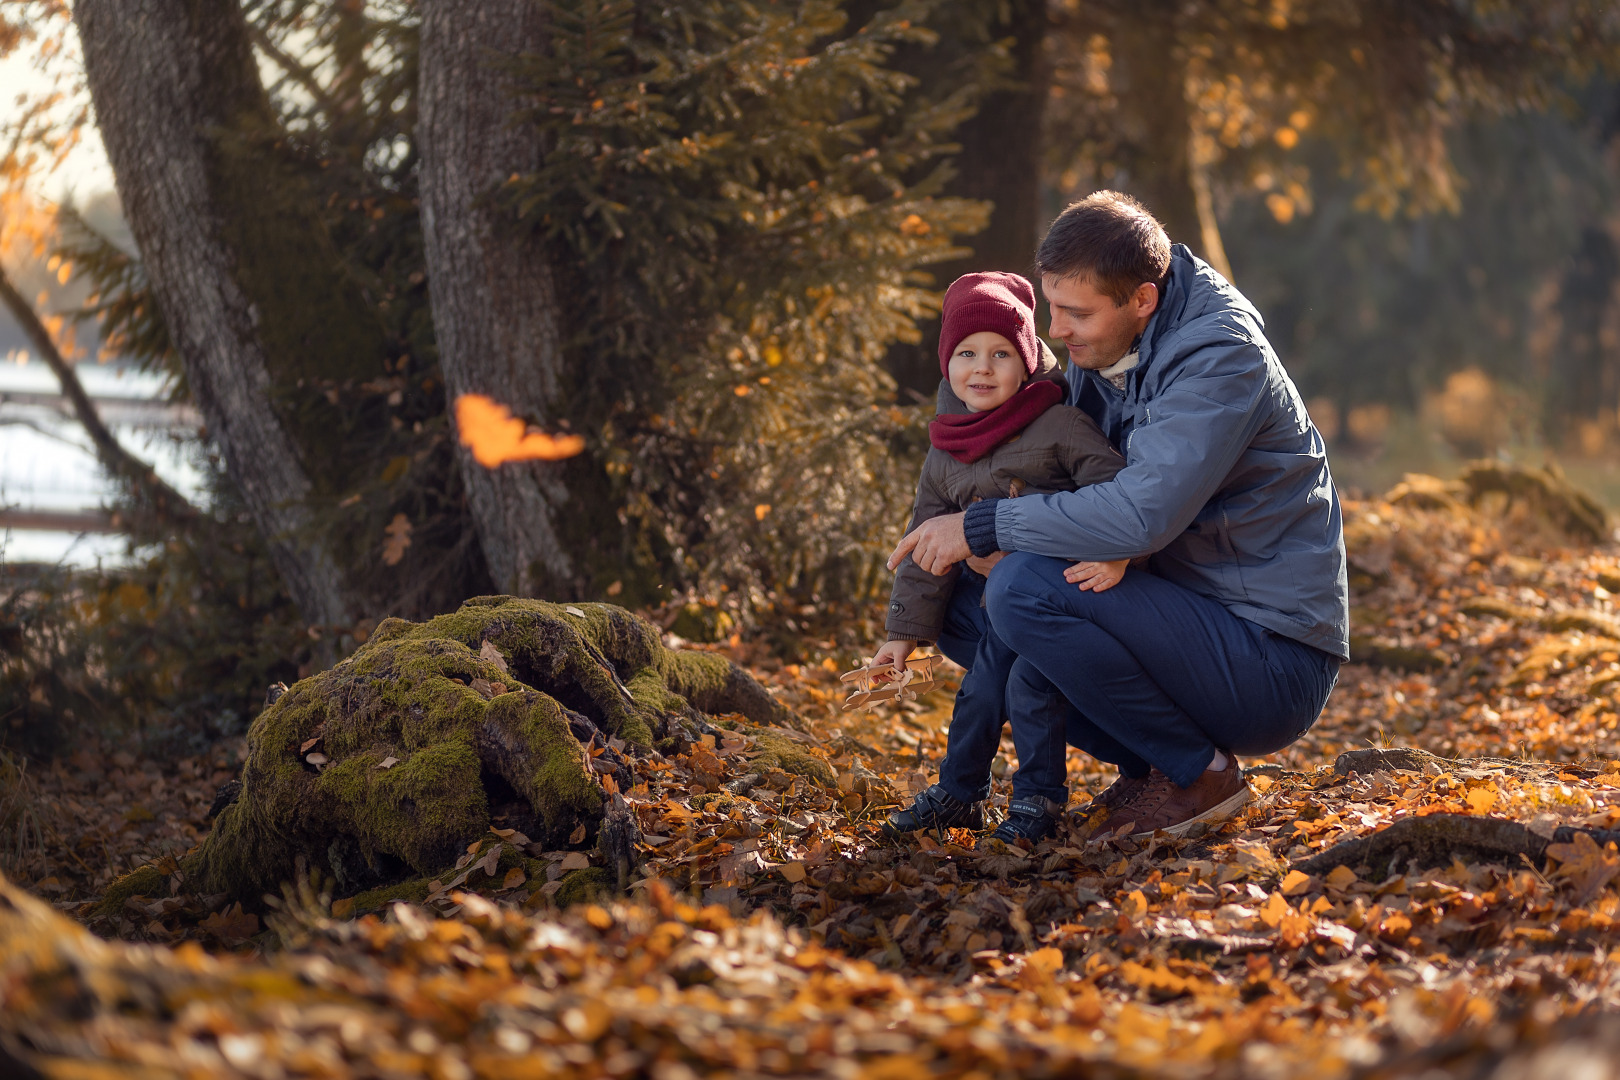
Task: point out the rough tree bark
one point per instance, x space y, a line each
491 285
1001 151
1168 173
1000 162
248 282
1149 82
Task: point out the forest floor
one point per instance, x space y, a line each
774 931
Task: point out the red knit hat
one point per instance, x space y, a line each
1003 303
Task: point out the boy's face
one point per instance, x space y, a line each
1097 331
985 370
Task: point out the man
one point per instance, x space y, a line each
1232 641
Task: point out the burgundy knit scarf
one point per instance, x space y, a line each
969 437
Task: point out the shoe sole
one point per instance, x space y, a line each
1219 812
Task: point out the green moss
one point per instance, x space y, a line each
698 674
398 697
410 743
781 752
579 886
421 810
561 781
717 801
599 655
415 891
147 881
702 622
650 690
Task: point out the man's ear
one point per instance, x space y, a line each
1145 299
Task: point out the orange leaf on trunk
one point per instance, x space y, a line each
495 436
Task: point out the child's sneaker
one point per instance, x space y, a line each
1032 819
936 808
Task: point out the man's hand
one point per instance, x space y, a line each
1096 576
936 545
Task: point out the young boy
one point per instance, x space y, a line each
1015 439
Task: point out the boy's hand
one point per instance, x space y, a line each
985 565
893 654
1096 576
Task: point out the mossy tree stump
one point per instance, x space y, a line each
427 725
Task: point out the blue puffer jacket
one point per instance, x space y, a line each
1226 480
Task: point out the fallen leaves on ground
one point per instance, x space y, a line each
774 931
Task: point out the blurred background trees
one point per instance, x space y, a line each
709 238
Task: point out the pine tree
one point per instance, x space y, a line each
726 186
749 193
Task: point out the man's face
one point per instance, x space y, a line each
1097 331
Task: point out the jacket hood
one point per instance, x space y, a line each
1194 290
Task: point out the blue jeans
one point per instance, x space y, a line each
984 704
1147 674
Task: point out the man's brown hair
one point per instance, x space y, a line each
1110 239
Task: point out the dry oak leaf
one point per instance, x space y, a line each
1298 882
398 538
1341 878
493 655
495 436
490 861
1584 865
1040 968
231 926
487 690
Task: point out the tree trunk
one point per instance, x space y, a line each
1000 162
248 285
1001 151
1168 172
491 286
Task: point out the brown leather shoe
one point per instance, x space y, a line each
1160 804
1118 793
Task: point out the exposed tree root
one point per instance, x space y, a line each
1380 652
1544 493
1386 759
1438 839
387 766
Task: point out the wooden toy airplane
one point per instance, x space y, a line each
883 684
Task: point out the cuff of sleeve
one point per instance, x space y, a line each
979 526
922 635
